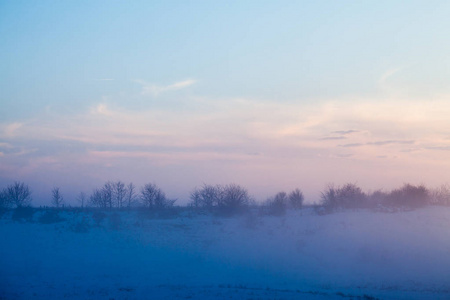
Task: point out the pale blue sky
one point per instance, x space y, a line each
257 92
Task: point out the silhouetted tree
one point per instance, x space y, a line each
98 198
409 196
277 205
329 198
351 196
108 193
82 199
234 199
377 199
130 195
154 198
347 196
18 194
4 201
441 195
207 197
119 193
296 199
57 198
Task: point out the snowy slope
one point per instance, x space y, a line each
347 255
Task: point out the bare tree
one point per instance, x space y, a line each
154 198
351 196
234 199
278 204
82 199
441 195
107 194
95 198
18 194
347 196
57 198
113 194
151 194
329 198
130 196
207 196
296 199
119 193
98 198
4 201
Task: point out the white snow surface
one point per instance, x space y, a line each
345 255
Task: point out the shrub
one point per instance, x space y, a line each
23 213
409 196
98 217
351 196
329 199
376 199
115 221
347 196
441 195
4 201
50 217
296 199
277 205
80 225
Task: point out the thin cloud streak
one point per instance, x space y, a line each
352 145
333 138
379 143
443 148
10 130
155 90
388 74
345 132
383 143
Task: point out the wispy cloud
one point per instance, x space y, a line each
6 145
332 138
10 130
101 109
345 132
443 148
352 145
347 155
390 142
379 143
155 90
386 75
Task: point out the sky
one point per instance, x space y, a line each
271 95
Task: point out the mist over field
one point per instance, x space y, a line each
301 255
246 149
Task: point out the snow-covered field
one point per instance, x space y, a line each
346 255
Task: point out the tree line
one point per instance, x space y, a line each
408 196
232 198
